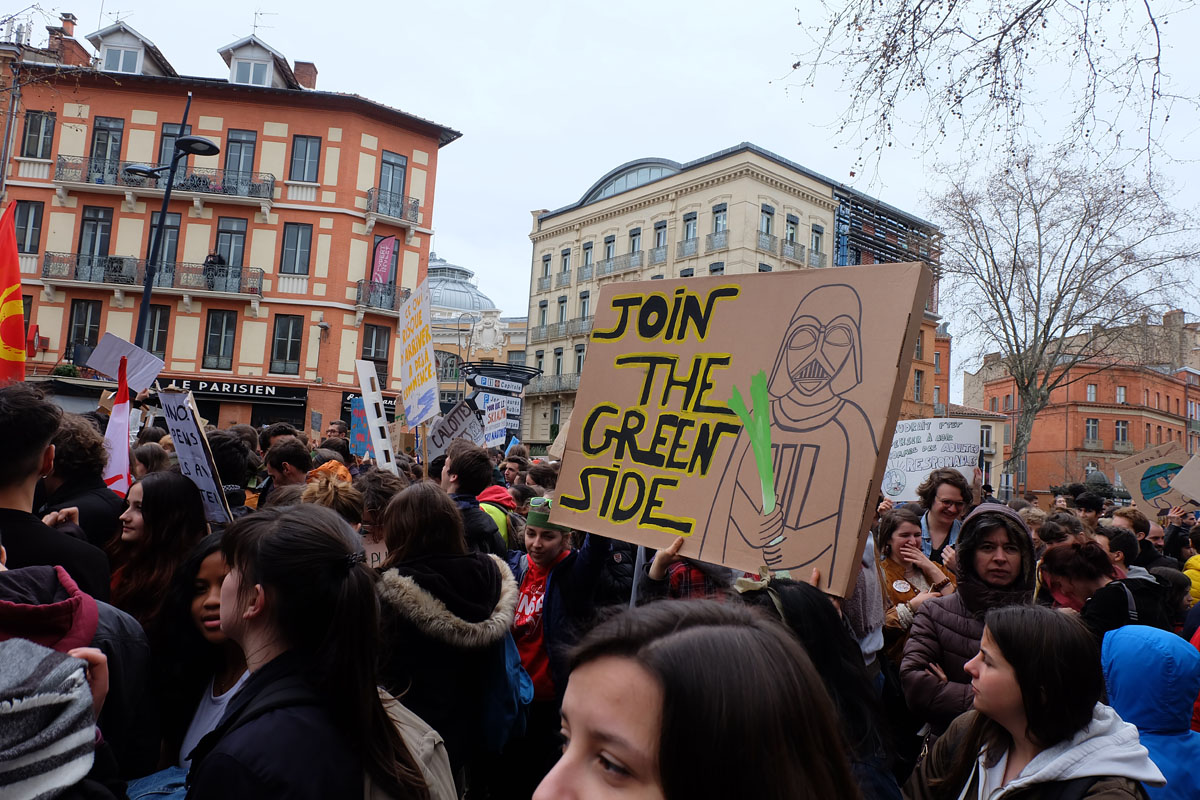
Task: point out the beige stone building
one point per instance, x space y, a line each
740 210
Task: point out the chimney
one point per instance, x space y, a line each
68 23
1173 318
306 74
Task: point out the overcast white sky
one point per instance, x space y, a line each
551 95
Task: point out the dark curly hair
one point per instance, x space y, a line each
79 449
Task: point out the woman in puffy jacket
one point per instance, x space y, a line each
1038 729
995 569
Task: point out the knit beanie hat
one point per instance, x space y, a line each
47 726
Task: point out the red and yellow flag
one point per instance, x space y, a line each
12 309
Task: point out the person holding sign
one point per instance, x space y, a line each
909 576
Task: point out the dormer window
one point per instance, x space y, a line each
121 59
255 73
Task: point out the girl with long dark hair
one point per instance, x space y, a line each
309 721
1038 728
163 521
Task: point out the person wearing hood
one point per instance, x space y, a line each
1038 729
1151 676
445 613
995 569
497 503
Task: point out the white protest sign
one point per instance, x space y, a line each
460 422
495 419
1187 480
419 388
920 446
141 367
195 457
377 426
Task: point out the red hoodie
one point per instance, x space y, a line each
497 496
44 605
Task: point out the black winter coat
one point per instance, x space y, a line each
99 507
616 576
481 532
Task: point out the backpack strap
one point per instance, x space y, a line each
1133 613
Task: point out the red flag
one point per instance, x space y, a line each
116 474
12 309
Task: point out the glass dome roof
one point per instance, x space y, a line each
452 288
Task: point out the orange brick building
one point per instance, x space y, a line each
265 296
1098 420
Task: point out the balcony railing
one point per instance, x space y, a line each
611 266
547 384
1193 426
580 325
658 254
217 362
793 251
395 206
716 241
537 334
1093 444
543 283
687 248
111 172
384 296
1123 447
585 272
556 330
129 271
563 279
816 260
767 242
987 449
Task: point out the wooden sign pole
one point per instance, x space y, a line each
425 448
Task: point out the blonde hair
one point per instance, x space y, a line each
167 443
342 497
1032 516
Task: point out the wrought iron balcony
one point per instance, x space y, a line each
549 384
394 206
543 283
611 266
131 272
767 242
201 180
716 241
217 362
384 296
580 325
537 334
687 248
815 259
793 251
556 330
658 254
563 279
585 272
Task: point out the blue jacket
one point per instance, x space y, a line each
570 588
1153 679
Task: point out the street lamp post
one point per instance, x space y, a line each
184 146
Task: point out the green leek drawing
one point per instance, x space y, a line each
759 430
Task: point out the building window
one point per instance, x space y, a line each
818 234
542 314
1091 429
766 220
635 240
1120 394
985 437
937 395
566 260
1158 434
297 242
689 226
239 152
562 309
1158 399
937 363
306 154
610 248
660 234
918 385
29 225
393 266
764 267
166 145
546 266
168 249
1007 432
555 414
285 347
447 365
539 360
121 59
1091 467
253 73
107 135
156 330
558 361
39 135
516 357
995 402
720 219
1121 431
587 254
375 348
94 236
920 353
218 339
687 273
585 304
790 228
1008 404
1147 442
716 268
231 240
85 327
27 308
450 397
1091 392
393 171
579 351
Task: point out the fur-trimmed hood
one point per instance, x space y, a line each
465 601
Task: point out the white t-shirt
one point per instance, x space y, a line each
208 714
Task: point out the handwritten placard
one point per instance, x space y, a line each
751 414
419 390
1148 478
195 456
360 434
495 418
460 422
920 446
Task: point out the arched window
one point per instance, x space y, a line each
1091 467
447 365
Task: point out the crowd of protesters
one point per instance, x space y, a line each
431 633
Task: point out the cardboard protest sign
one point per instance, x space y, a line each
559 446
375 549
419 378
1148 477
495 418
1187 480
460 422
360 436
920 446
142 367
377 426
749 413
195 457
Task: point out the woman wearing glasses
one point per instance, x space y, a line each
944 495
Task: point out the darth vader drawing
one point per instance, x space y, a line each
816 429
